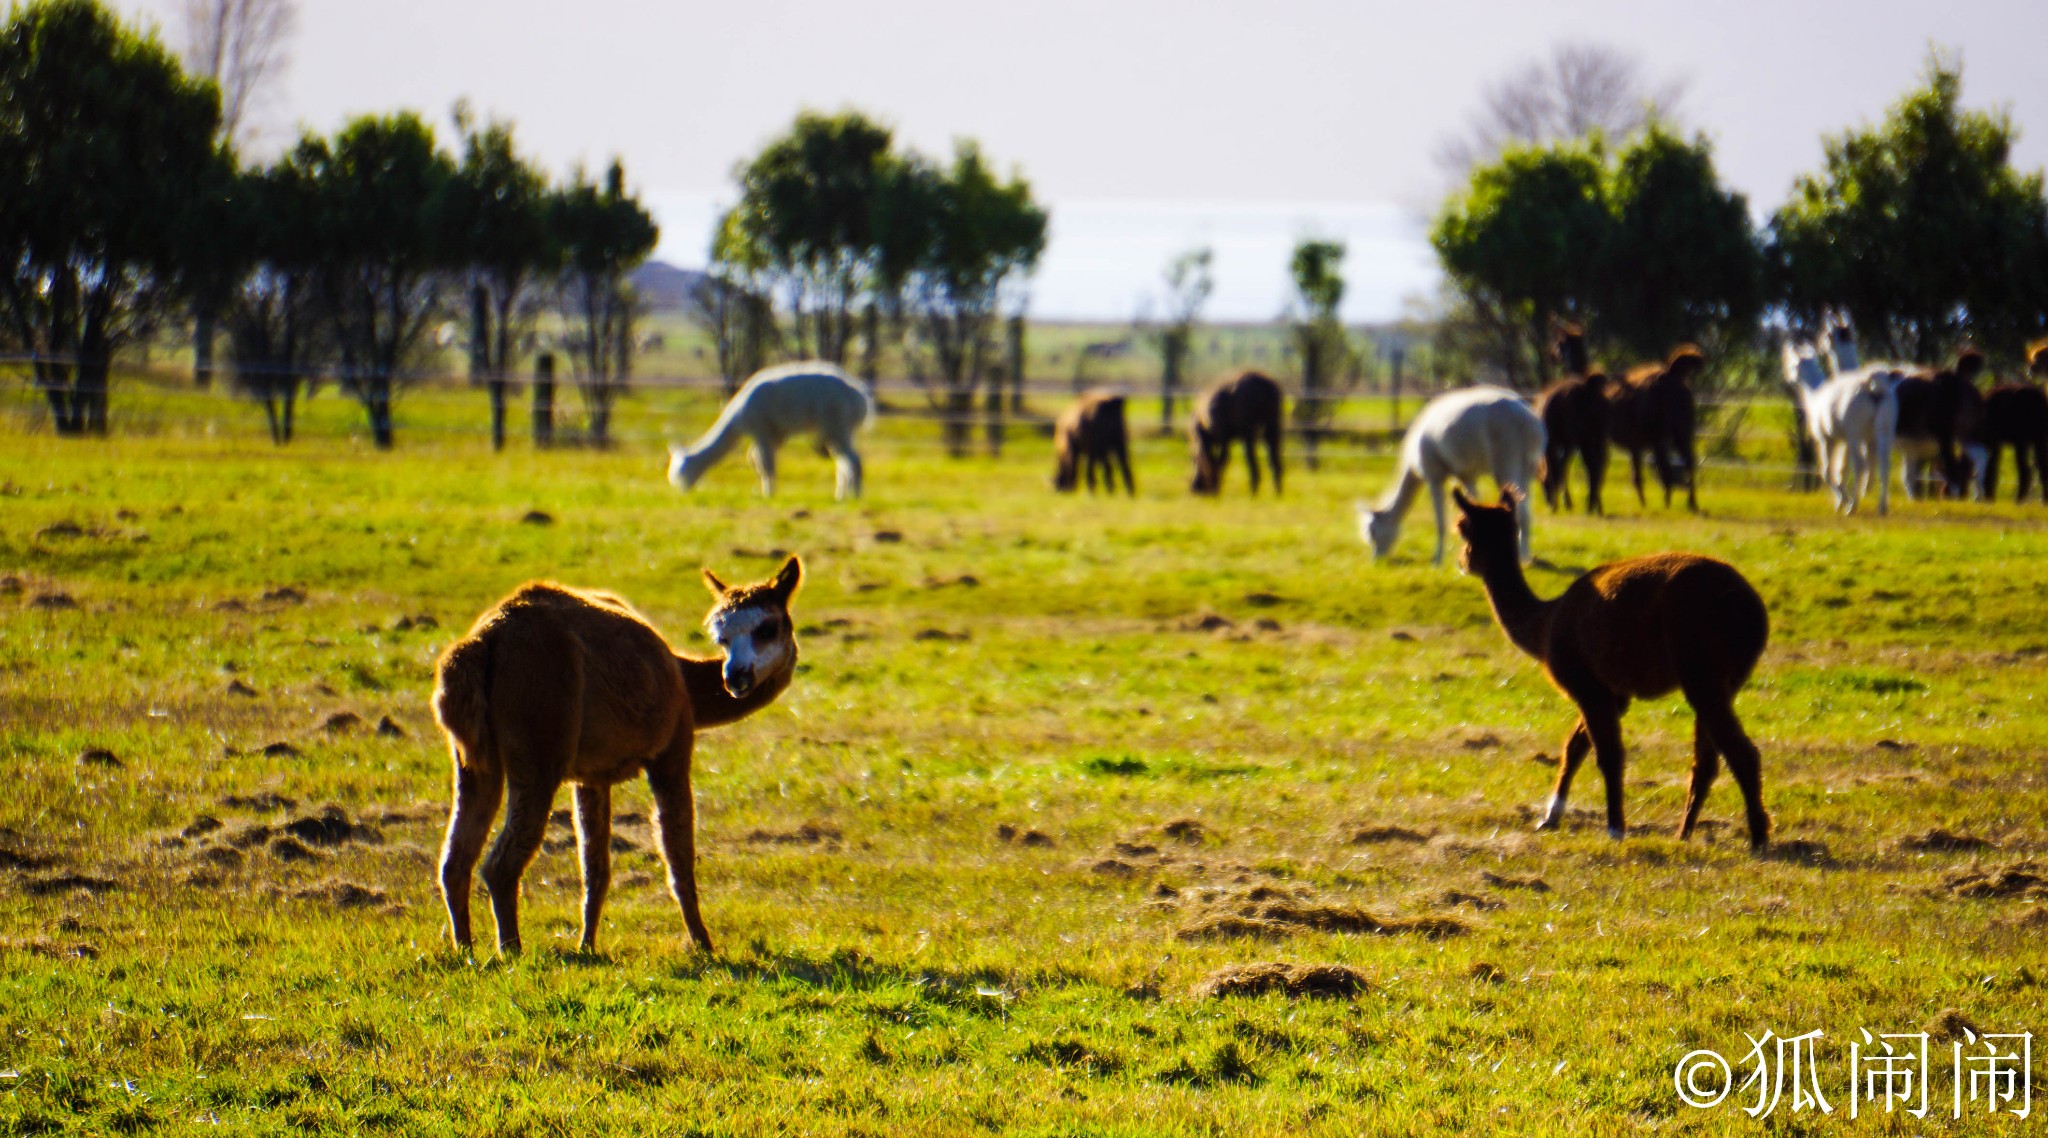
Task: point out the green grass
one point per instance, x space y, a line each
902 966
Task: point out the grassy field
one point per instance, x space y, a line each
1050 764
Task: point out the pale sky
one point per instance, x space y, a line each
1193 101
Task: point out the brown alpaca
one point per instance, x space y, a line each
1574 414
1246 408
1090 434
1652 409
557 685
1633 629
2016 415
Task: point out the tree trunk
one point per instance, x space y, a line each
497 414
870 343
544 400
202 349
1015 338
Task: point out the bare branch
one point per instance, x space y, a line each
1580 89
242 45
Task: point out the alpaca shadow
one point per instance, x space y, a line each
850 970
1812 855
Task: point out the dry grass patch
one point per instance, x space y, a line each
1316 981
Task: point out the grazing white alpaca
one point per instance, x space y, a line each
1853 419
1479 431
777 402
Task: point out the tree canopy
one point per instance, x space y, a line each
1919 229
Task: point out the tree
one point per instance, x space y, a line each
240 45
731 302
381 192
985 234
1523 243
809 200
273 315
1583 89
1681 260
107 156
1188 285
1316 267
497 217
1920 229
604 233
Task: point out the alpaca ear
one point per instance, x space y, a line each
788 578
718 588
1511 497
1458 496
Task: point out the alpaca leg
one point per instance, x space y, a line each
1706 763
1603 722
1595 458
1635 462
477 795
1273 452
1123 461
675 820
762 453
1251 462
1553 478
1688 451
1989 481
1714 710
846 471
527 804
594 848
1575 748
1436 501
1089 464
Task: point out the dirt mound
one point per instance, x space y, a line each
1944 841
388 728
938 634
287 848
1453 898
266 801
1186 830
2034 918
1111 867
1509 881
2024 880
42 946
1034 838
343 894
1949 1024
1379 835
808 834
1136 849
240 688
13 858
1266 912
341 721
99 757
1206 622
67 883
285 595
331 827
54 602
1317 981
537 518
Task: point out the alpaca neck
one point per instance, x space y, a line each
1403 495
712 706
715 443
1524 617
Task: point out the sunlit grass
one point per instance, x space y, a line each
1088 671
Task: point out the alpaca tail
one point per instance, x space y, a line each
462 701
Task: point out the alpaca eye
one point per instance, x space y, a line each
768 630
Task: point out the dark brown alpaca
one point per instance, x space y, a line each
2016 415
1652 409
1633 629
1574 413
1940 413
1090 434
1244 409
557 685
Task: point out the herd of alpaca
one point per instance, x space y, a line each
555 685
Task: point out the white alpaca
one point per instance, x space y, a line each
1479 431
777 402
1853 419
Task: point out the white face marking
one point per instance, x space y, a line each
747 654
1377 530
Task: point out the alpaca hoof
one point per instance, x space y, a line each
1616 832
1546 825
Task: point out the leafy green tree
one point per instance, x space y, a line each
380 188
273 314
604 233
986 235
810 201
497 216
1682 261
1188 285
1523 241
1316 267
1920 229
107 155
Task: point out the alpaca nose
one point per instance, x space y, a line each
738 681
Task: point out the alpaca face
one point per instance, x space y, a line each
1485 530
679 473
751 626
1378 529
